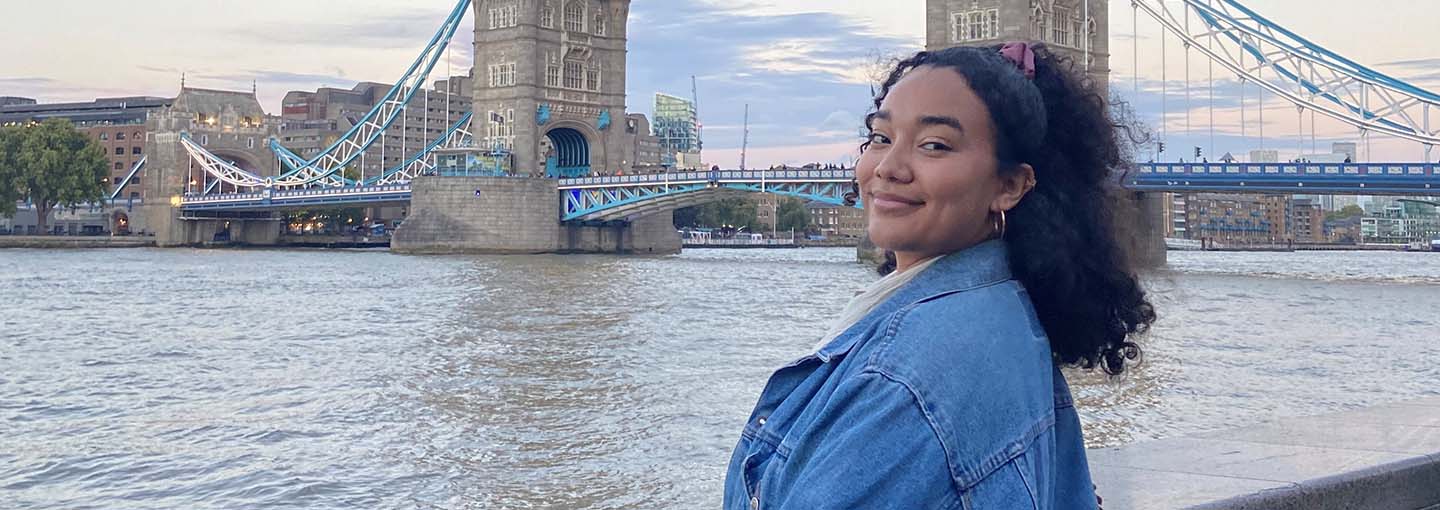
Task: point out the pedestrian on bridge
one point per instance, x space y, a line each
986 178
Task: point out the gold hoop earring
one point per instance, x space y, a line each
998 224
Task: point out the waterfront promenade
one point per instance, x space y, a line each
1383 457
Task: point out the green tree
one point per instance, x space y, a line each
791 214
1349 211
10 140
50 164
734 212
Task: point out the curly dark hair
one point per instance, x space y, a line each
1064 246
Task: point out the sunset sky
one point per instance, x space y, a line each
794 61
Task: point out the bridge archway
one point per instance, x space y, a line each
568 155
242 160
119 222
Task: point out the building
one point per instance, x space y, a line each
1235 219
1264 156
1307 221
837 221
642 148
677 125
1173 215
117 124
313 121
1075 28
1405 222
1343 230
550 82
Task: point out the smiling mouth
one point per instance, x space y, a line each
892 201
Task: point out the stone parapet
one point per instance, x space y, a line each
1383 457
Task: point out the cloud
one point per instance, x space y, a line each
800 73
381 31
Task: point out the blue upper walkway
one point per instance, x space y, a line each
618 197
1291 178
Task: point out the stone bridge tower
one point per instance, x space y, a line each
550 83
1077 28
1062 25
232 125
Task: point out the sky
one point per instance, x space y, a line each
800 65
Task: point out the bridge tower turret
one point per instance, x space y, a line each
550 83
1076 28
231 124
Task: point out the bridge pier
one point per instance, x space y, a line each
1145 233
516 215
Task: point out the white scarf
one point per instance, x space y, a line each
863 303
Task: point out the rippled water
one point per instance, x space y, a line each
322 379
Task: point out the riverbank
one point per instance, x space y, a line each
74 242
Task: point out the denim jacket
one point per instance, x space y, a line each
946 396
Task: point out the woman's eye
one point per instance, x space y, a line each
935 146
878 138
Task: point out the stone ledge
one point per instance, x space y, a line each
75 242
1381 457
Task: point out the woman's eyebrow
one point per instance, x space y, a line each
941 120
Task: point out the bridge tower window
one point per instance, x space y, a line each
547 16
504 16
575 16
574 75
975 25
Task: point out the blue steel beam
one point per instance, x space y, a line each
1290 178
605 198
348 147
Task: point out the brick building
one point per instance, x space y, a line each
117 124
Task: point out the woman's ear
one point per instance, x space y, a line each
1013 187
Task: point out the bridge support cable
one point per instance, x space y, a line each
458 135
128 177
326 168
219 168
1342 89
300 171
1210 77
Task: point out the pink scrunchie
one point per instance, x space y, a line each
1023 57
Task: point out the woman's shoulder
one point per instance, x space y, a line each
978 364
995 323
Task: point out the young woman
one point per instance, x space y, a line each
986 175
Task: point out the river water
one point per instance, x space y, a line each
362 379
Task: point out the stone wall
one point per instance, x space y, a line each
518 216
480 215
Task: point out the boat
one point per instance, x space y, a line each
1435 244
1176 244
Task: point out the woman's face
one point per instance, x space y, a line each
929 179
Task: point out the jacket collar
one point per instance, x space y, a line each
979 265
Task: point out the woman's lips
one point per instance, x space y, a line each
893 202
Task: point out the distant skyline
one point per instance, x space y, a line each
796 62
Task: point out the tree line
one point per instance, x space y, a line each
50 164
741 212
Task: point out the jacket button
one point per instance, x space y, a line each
761 421
754 503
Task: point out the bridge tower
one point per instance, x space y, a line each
550 83
550 87
232 125
1075 28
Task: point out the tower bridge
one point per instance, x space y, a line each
540 165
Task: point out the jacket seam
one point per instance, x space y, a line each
892 325
929 421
